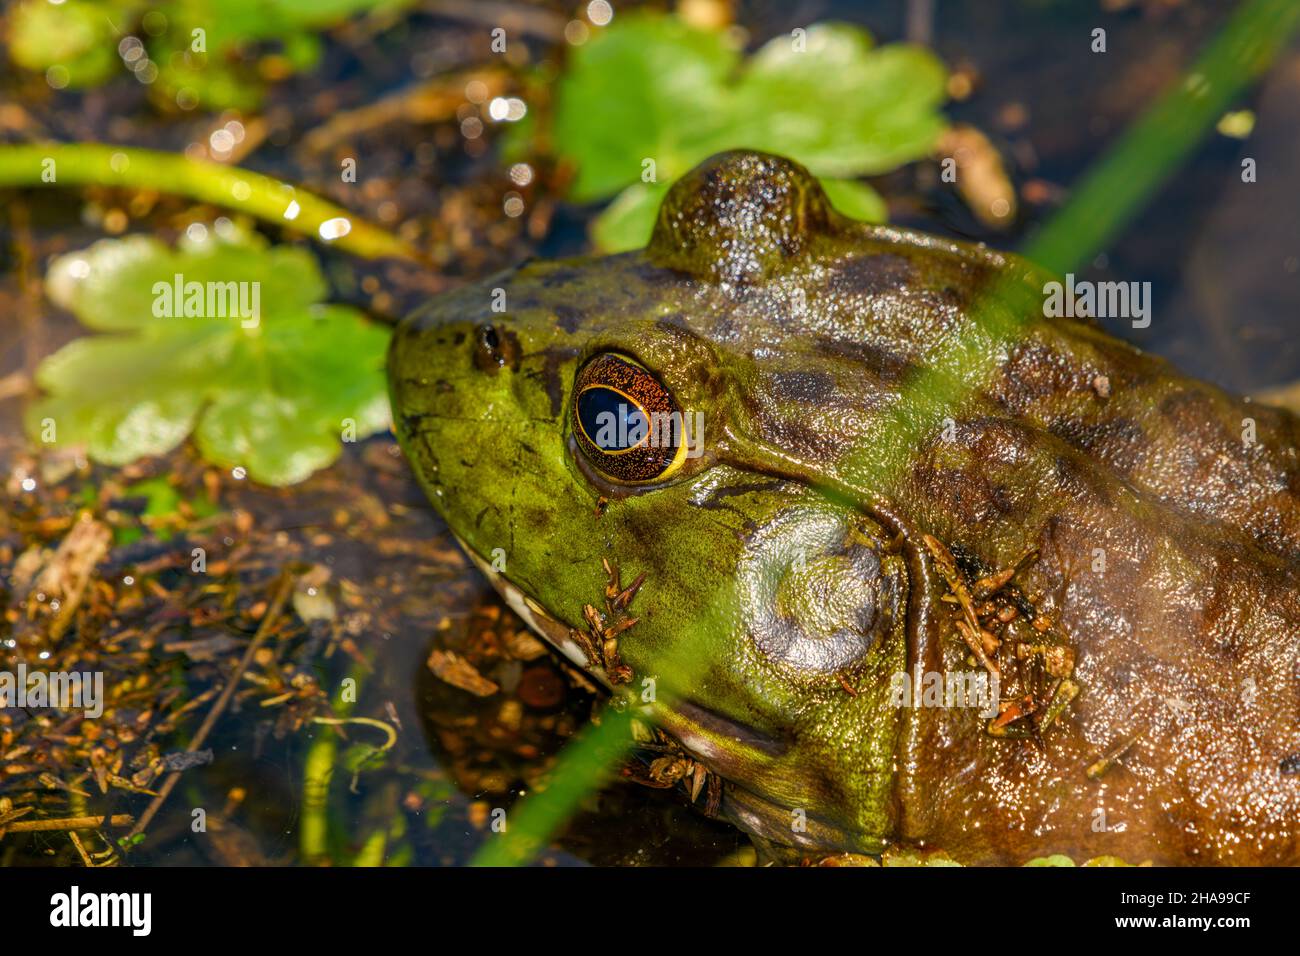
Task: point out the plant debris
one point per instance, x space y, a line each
1026 655
599 642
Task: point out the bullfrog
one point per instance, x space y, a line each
895 555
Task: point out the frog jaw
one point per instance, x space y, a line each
540 621
737 753
708 737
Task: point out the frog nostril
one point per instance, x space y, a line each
487 349
494 348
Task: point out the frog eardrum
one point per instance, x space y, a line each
625 422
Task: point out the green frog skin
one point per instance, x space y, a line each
1146 629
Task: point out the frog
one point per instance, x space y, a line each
901 558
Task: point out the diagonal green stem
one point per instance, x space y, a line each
268 199
581 768
1115 189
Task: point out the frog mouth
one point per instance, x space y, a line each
733 750
726 745
538 619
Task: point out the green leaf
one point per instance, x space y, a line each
113 286
273 397
161 503
81 36
629 219
75 35
123 398
856 200
839 106
651 88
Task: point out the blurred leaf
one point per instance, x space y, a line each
161 503
110 286
76 35
82 37
630 218
652 88
839 106
161 498
272 397
649 87
856 200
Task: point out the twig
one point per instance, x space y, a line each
85 857
14 384
429 102
542 24
919 22
68 823
210 721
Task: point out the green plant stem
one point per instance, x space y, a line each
318 770
372 851
268 199
582 766
1116 188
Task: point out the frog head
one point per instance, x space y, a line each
677 417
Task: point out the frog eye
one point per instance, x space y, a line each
627 425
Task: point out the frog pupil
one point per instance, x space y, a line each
611 421
625 423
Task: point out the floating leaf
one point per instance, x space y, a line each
75 36
652 90
630 218
271 394
840 106
198 46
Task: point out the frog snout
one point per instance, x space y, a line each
427 360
